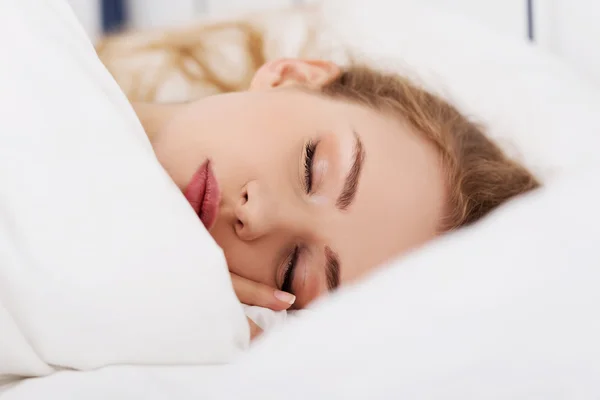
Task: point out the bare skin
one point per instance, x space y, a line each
375 187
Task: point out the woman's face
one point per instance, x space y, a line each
314 192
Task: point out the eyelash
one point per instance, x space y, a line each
288 276
309 154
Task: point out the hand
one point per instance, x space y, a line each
256 294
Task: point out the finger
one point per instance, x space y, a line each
255 330
257 294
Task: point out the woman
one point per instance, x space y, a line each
316 174
325 173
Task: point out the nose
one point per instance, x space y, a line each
254 212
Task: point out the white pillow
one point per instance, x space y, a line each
102 261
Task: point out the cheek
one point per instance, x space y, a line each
179 152
179 171
254 260
234 250
247 263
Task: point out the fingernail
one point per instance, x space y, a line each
285 297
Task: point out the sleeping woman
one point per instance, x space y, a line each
316 174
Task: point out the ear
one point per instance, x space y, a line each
313 74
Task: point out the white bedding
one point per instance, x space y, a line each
512 322
102 260
504 310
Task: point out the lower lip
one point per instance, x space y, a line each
204 195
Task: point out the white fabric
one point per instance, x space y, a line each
265 318
532 104
268 320
102 261
505 310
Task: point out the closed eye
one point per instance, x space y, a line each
309 155
288 276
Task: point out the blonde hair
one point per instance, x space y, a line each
207 58
480 175
145 64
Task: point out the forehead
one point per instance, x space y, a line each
401 197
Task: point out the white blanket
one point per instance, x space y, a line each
507 310
102 260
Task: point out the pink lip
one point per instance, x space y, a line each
204 195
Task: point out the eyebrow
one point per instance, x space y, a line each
353 177
332 268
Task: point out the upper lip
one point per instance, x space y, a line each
204 195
